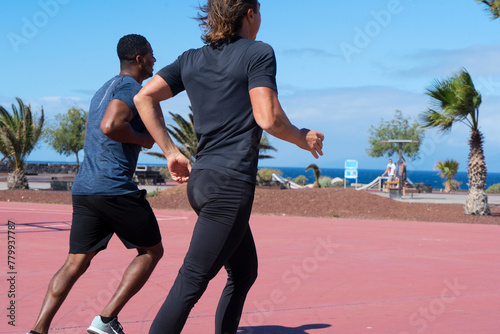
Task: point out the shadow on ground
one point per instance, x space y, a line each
280 329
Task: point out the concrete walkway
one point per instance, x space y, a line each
438 197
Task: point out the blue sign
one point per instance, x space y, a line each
351 164
351 169
351 173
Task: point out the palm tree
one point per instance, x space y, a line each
19 134
317 173
493 7
264 147
457 100
447 169
184 134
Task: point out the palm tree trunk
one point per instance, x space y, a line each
447 186
477 201
17 180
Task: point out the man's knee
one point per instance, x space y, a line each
77 264
155 252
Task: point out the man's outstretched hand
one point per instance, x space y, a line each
312 142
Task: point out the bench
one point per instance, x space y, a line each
60 185
411 191
391 185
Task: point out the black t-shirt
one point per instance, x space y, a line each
217 82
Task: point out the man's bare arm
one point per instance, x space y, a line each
270 116
116 125
147 102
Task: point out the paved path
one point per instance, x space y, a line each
316 276
438 197
37 182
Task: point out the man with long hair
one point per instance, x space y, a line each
231 85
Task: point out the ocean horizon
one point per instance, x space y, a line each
366 176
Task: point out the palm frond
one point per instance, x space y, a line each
19 134
316 170
184 134
432 119
448 168
493 7
456 98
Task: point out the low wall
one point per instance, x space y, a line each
42 168
145 174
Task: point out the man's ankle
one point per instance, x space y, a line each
106 319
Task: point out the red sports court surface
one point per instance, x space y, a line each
316 276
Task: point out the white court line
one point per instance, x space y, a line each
171 218
18 227
22 227
68 211
26 210
33 227
157 218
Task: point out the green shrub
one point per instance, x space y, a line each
265 175
325 182
340 184
300 180
494 189
152 193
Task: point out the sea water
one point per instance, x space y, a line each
366 176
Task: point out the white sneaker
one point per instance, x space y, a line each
99 327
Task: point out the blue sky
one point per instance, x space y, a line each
342 65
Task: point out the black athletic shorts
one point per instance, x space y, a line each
97 218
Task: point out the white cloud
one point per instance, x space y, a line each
479 60
360 105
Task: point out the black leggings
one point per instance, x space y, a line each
221 237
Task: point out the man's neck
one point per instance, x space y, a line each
133 74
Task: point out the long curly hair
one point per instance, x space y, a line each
222 20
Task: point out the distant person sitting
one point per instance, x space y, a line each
390 171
